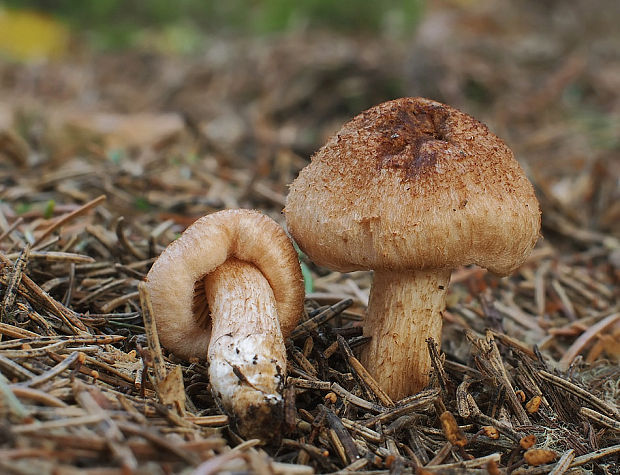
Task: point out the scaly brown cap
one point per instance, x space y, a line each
414 184
175 280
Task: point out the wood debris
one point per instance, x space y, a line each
525 379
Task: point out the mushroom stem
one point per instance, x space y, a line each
403 312
247 357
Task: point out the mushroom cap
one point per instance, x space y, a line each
414 184
175 279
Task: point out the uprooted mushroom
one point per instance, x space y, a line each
230 289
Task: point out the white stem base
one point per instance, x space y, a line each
247 357
404 310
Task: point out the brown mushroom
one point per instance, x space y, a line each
230 289
412 188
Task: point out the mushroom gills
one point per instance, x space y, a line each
247 356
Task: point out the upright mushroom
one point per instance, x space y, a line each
230 289
411 188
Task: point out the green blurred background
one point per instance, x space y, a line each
182 24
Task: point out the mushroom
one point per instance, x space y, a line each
230 289
411 189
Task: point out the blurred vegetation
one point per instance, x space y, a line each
26 35
122 23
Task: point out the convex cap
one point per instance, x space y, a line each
414 184
175 279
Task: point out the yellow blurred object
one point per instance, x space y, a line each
29 36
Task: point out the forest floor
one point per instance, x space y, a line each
106 158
